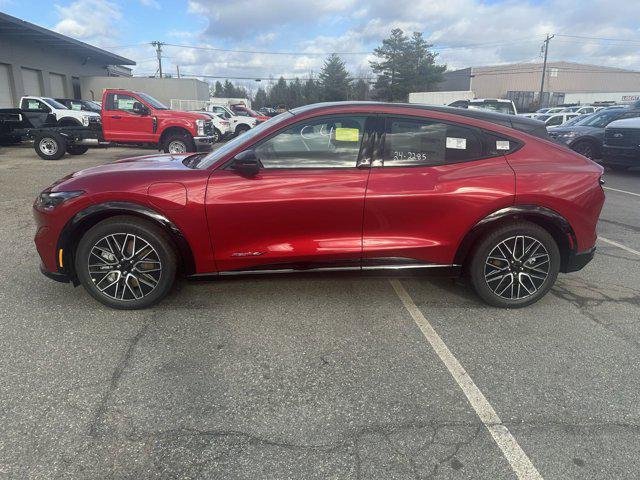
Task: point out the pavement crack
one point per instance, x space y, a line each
116 376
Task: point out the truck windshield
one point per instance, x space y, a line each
54 104
245 138
600 119
500 107
153 102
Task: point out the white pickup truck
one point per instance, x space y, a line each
237 123
65 117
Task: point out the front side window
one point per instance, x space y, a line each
34 105
118 101
410 142
329 142
221 112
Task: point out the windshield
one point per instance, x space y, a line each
153 102
599 119
54 104
216 155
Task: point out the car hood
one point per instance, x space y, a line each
179 114
579 129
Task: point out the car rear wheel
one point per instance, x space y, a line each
126 263
515 265
240 129
50 146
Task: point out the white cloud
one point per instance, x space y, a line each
89 20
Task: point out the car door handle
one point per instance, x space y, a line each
364 163
116 117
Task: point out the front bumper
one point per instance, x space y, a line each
577 261
57 276
628 156
203 143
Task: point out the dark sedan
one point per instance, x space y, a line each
586 135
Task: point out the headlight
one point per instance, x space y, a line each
85 120
50 200
566 134
200 127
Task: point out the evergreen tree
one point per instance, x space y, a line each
406 65
219 90
260 100
278 95
360 90
311 91
334 80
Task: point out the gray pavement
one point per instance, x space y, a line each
305 377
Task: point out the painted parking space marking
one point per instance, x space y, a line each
622 191
619 245
519 461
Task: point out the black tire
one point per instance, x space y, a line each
50 146
524 273
174 139
240 129
105 238
217 136
587 149
77 149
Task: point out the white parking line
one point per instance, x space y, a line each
516 457
622 191
619 245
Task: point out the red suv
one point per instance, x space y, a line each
329 187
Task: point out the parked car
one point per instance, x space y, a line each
128 118
586 134
84 105
221 128
65 117
621 148
268 112
492 104
243 111
555 119
237 123
580 110
330 187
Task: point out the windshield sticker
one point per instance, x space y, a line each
457 143
502 145
347 134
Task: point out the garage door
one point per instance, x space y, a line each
57 85
6 95
31 82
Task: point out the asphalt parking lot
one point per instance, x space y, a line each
305 377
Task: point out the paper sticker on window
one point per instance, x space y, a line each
502 145
457 143
347 134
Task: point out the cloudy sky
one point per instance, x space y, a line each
464 32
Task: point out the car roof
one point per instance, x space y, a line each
625 123
523 124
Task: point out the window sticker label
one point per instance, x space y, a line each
502 145
457 143
347 134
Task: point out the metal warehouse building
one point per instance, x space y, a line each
564 82
37 61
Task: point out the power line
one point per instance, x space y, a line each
625 40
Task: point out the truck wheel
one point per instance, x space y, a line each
216 135
50 146
77 149
179 143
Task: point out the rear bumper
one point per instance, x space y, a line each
577 261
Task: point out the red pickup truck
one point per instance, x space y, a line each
128 117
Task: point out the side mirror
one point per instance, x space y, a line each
140 109
246 163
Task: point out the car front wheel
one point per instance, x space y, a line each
515 265
126 263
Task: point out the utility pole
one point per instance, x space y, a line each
544 68
178 70
158 46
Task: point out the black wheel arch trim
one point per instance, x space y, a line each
85 219
557 225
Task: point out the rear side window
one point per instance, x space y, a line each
410 142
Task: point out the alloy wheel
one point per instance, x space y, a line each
124 266
517 267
